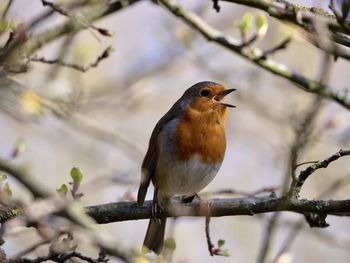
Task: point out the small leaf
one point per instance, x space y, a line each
76 175
221 242
7 191
63 189
3 177
246 22
224 253
261 24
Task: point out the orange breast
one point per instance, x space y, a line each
202 133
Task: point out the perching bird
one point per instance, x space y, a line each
185 151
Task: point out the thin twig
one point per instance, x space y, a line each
31 248
60 258
303 163
340 18
207 235
303 175
22 175
6 9
216 5
105 54
63 12
55 7
263 190
267 238
283 45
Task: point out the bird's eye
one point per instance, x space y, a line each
204 93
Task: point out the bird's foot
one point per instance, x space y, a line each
157 210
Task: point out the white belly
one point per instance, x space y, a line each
184 177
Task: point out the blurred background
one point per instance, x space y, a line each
112 109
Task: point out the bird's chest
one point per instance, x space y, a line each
202 136
190 155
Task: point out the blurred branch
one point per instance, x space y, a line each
74 18
298 15
268 235
78 67
71 210
253 55
60 258
46 14
25 178
31 248
9 212
340 18
6 9
36 42
301 223
302 135
55 7
76 120
30 45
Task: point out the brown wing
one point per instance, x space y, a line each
150 161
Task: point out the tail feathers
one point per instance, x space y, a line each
154 238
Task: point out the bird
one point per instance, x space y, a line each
185 152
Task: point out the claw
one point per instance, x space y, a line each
157 208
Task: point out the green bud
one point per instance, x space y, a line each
63 189
7 191
3 177
261 24
76 175
246 22
221 242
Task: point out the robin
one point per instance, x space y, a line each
185 151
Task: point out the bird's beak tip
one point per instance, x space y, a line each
226 92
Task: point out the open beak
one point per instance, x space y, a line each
222 94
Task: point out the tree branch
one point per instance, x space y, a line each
297 14
253 55
21 174
36 42
124 211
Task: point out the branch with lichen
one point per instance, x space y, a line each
300 16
